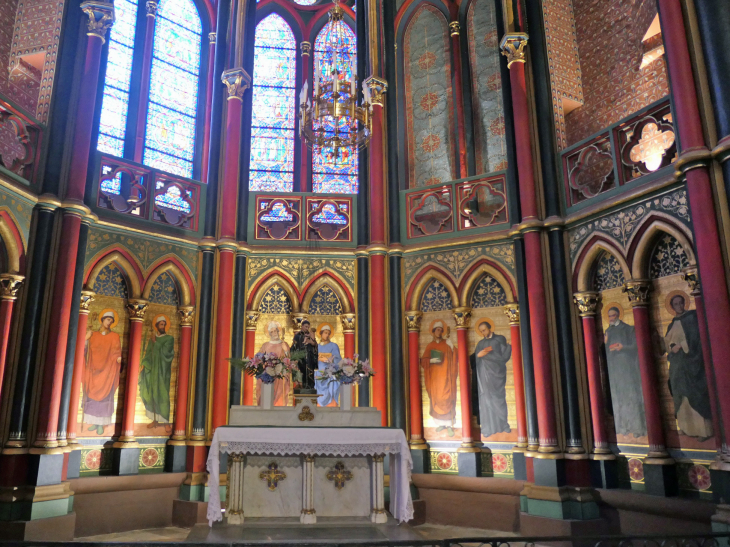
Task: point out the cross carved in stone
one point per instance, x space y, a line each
339 475
272 476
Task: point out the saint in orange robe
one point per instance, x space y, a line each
440 370
281 387
101 376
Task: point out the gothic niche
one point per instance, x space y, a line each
483 205
277 219
329 220
591 172
430 213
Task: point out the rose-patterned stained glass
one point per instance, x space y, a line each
174 81
329 174
274 109
115 102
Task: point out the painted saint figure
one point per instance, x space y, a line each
101 376
328 352
440 370
687 379
624 377
278 347
156 372
492 353
304 340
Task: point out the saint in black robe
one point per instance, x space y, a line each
624 377
491 375
308 364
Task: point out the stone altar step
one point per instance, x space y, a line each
327 530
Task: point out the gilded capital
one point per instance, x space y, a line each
151 8
87 297
101 17
587 303
413 320
10 285
378 87
237 81
187 314
211 38
512 311
513 47
462 316
137 308
298 318
348 322
306 47
252 318
691 276
454 28
638 292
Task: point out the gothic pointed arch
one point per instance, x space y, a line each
586 269
485 275
325 287
648 238
14 254
117 260
425 281
160 279
280 285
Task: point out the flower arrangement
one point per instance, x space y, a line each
266 367
348 371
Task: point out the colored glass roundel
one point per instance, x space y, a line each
332 175
115 102
173 98
274 108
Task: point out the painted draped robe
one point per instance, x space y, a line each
440 370
491 375
101 376
154 377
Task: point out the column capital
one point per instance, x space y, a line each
306 47
151 8
462 316
101 17
187 314
691 275
252 319
137 309
454 28
513 47
87 297
378 87
10 285
512 311
348 322
237 81
638 292
413 320
211 38
587 302
299 318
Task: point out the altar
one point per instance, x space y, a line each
308 461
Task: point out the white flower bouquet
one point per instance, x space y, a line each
266 367
348 371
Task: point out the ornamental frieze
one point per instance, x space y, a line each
301 270
458 261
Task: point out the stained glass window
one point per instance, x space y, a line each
173 99
274 108
115 102
172 198
329 215
329 174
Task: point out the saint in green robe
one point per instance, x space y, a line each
154 377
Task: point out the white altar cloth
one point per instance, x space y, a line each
322 441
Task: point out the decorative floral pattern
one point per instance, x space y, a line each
458 261
93 459
149 457
608 273
667 258
500 464
436 298
636 469
302 270
444 460
325 302
111 282
699 477
164 290
488 294
276 300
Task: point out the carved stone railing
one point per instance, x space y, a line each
20 140
634 149
152 196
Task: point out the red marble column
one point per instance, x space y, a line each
348 329
413 321
87 297
454 29
306 165
462 316
638 292
587 303
223 319
512 311
252 318
144 85
9 286
137 309
513 47
183 374
693 163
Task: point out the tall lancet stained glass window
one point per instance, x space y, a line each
329 174
173 100
274 109
115 104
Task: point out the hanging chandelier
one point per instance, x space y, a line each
330 120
